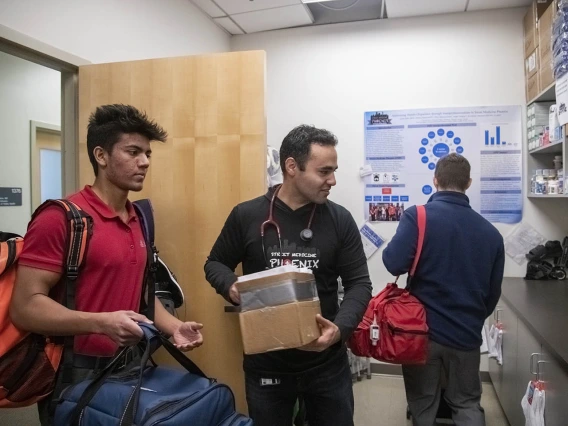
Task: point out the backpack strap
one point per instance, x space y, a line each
421 219
145 213
79 229
10 248
5 236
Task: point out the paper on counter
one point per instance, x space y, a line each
522 240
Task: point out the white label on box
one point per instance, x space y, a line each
531 62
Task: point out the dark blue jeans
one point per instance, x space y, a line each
327 393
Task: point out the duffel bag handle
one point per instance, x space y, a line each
151 341
150 332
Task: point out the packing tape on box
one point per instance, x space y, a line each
287 291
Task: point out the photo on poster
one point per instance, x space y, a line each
385 212
404 146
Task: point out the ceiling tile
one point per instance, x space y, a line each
405 8
272 19
495 4
228 25
209 7
242 6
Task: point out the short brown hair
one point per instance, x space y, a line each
453 172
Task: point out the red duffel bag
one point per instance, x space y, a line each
394 326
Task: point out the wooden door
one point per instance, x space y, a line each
213 109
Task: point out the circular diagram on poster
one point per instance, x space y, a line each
438 144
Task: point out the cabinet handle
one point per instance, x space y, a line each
532 363
495 315
538 368
498 319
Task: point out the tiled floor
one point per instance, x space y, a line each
379 401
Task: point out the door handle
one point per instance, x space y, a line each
531 364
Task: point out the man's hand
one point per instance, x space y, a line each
234 294
121 326
330 335
188 337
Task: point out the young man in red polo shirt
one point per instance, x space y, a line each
109 287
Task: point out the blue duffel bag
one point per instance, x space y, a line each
149 395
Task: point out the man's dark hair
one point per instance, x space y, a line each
453 172
297 144
109 122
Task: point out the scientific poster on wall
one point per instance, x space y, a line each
403 147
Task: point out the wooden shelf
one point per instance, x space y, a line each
551 148
548 94
563 196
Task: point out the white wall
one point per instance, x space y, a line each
116 30
330 75
27 92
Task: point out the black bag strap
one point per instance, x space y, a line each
151 341
5 236
145 213
79 231
8 243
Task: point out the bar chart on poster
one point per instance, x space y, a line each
494 137
403 147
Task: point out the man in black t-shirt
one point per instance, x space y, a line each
318 372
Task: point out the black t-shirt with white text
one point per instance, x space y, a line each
335 251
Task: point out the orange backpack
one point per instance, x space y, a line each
29 362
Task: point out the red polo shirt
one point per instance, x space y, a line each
112 273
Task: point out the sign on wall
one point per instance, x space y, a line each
10 197
404 146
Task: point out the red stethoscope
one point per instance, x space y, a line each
306 234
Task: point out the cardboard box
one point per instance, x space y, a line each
531 64
278 309
279 327
536 10
533 88
530 32
545 75
545 35
540 7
